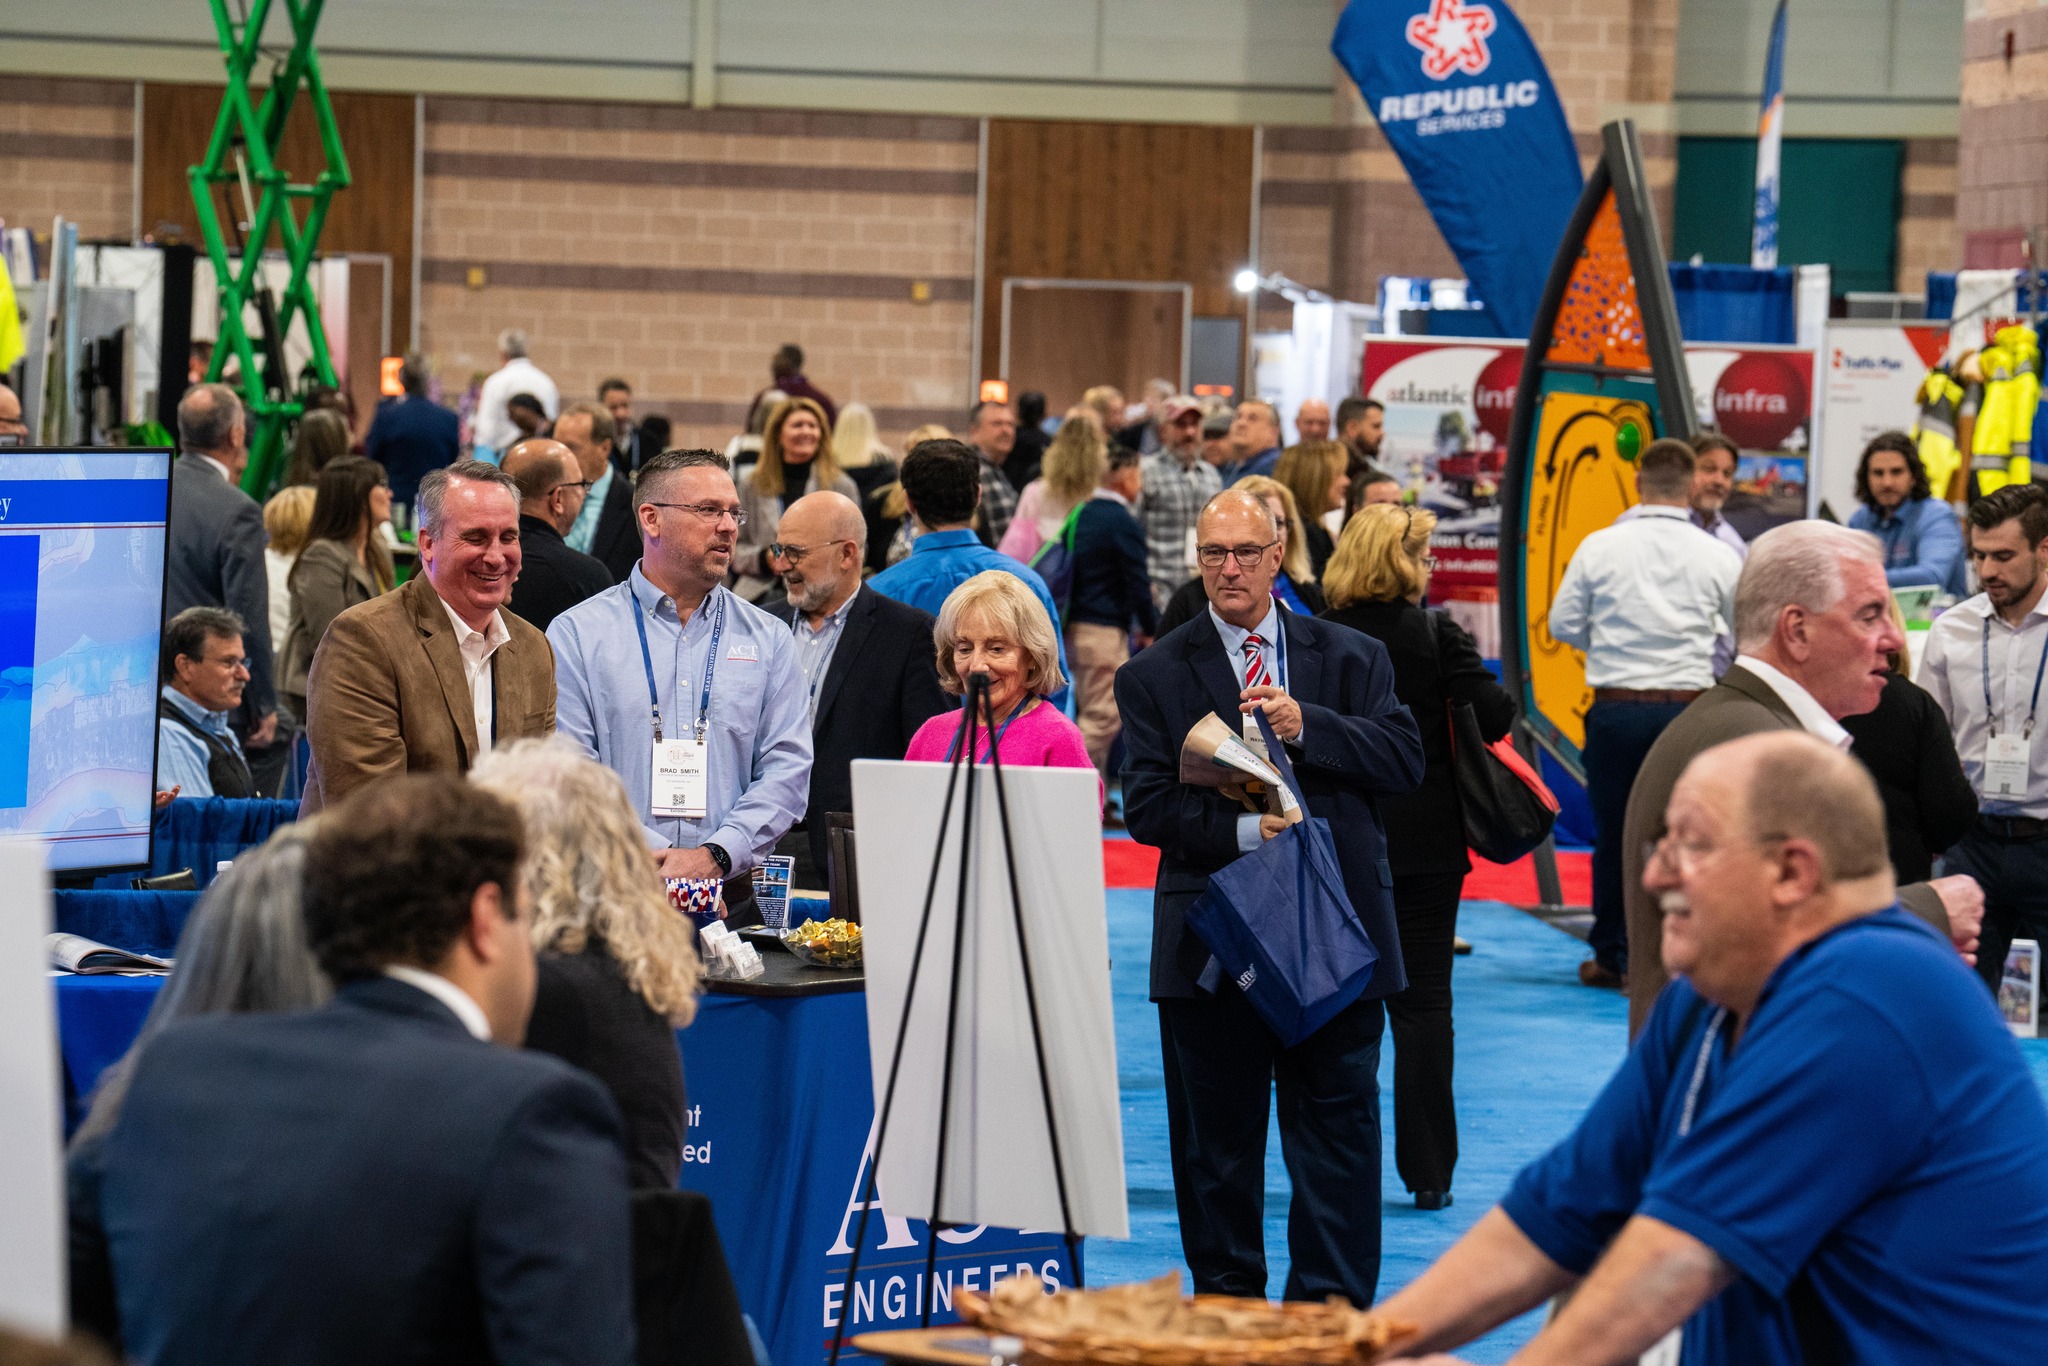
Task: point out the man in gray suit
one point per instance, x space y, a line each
216 542
1812 629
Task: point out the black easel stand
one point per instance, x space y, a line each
979 720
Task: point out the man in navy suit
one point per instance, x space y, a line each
413 434
387 1178
1328 692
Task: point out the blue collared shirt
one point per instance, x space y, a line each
815 648
1263 463
758 729
1923 544
583 531
1270 629
181 756
940 561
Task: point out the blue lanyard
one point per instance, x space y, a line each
954 748
710 664
838 629
1991 716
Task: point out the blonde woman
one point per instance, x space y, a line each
1294 586
993 624
861 456
618 967
285 519
1316 473
1376 582
796 459
1074 464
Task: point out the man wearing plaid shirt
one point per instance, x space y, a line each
1178 485
992 431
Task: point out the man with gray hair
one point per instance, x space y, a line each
494 432
1645 599
427 678
1813 629
215 554
203 674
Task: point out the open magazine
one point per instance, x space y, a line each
76 953
1213 755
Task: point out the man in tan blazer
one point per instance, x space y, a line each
1812 629
429 677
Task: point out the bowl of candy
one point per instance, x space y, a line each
831 943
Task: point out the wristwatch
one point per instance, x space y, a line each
720 857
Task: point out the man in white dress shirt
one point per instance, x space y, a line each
1645 599
1813 625
1984 663
493 430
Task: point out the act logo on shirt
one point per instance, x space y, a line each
743 653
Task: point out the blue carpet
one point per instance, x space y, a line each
1534 1047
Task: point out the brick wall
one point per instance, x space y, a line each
679 248
68 147
2002 164
1337 210
1928 239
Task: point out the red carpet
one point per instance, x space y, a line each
1128 864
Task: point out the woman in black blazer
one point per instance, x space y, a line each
1375 582
618 966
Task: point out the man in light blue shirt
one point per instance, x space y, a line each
204 673
719 670
942 484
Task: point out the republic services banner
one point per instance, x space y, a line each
1770 136
1463 97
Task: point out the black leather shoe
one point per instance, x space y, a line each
1433 1200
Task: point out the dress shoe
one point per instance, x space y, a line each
1433 1200
1593 974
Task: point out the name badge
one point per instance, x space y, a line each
2005 767
681 778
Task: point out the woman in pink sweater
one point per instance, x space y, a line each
993 624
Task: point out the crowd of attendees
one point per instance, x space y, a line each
714 637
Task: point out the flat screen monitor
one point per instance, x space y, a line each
82 536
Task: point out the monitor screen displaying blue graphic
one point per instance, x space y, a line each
81 614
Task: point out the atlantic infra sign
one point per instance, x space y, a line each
1466 103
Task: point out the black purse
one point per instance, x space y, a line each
1508 808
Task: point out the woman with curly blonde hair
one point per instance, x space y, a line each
618 966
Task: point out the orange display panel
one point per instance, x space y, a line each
1599 321
1579 482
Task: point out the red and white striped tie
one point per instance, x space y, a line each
1255 674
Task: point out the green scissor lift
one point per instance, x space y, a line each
243 153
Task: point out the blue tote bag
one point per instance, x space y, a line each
1279 923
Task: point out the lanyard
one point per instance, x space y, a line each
954 748
710 666
1991 716
828 647
1699 1071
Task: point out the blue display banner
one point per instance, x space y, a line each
1770 136
20 565
1463 97
83 502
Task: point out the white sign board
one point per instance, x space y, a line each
1871 372
32 1258
999 1167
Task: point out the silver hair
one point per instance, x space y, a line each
512 342
1800 562
243 952
207 415
434 488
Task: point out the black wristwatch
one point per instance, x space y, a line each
720 857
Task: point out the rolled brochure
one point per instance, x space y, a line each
89 957
1214 755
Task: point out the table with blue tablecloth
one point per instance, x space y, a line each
780 1122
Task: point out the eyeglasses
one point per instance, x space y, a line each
795 554
1429 561
1248 556
710 512
1683 856
583 484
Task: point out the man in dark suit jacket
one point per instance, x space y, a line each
867 659
612 532
1328 692
412 434
553 576
389 1177
215 556
1797 669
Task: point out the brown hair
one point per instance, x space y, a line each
1294 561
768 471
1308 468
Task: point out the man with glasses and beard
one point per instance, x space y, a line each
870 676
694 697
1328 693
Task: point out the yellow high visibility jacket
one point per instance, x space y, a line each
2003 441
1934 431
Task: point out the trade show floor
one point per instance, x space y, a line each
1533 1048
